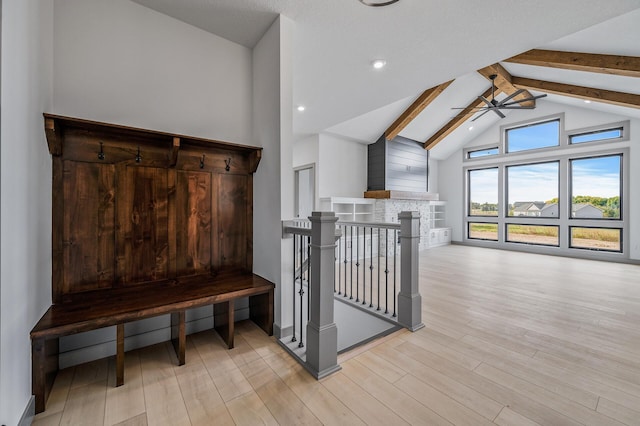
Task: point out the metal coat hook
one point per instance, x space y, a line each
202 162
101 153
228 164
138 156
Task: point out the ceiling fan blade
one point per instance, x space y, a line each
511 96
517 107
486 101
481 115
478 108
497 111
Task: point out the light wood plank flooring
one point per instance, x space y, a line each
510 339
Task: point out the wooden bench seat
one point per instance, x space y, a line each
102 308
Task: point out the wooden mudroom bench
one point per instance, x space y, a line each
100 308
145 223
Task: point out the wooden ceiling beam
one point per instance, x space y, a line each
503 82
458 120
599 95
628 66
415 109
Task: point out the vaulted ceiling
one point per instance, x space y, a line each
427 44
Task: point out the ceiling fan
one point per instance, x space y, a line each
507 103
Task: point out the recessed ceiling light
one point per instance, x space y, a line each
378 63
587 101
300 108
470 127
378 3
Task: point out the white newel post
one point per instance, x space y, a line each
322 333
409 299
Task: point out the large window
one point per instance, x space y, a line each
483 192
596 187
566 198
533 136
533 190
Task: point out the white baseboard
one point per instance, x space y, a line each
29 412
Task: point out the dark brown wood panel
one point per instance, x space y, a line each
88 235
193 214
142 223
232 220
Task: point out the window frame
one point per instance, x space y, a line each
505 132
468 151
506 187
620 230
507 240
562 153
468 184
623 125
570 183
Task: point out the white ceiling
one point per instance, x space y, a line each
425 43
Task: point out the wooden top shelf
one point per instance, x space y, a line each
55 125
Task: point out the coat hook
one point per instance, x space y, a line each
228 164
101 153
138 156
202 162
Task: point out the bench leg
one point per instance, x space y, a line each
261 311
223 321
178 335
44 367
119 355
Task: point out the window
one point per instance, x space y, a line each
596 187
604 239
569 198
533 234
483 231
483 152
598 135
483 192
533 190
533 136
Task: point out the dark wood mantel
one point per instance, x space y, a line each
401 195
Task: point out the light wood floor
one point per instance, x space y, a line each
510 338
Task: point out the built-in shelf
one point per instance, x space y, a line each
349 209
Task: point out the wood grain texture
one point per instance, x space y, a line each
415 109
88 233
630 100
504 83
231 219
193 239
142 225
628 66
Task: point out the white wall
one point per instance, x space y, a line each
305 151
119 62
450 173
273 182
342 167
25 182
